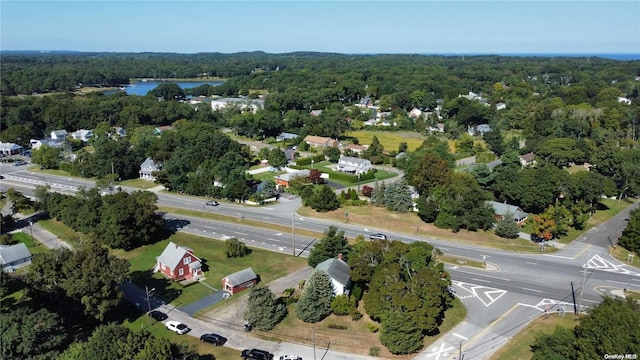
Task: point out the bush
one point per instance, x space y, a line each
235 248
374 351
356 315
372 328
342 305
356 293
336 326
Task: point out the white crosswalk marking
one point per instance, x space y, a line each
598 263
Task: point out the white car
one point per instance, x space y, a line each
177 327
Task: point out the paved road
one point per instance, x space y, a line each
500 302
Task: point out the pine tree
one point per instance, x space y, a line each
333 242
315 303
264 312
377 196
507 228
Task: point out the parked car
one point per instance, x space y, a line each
256 354
378 237
536 238
19 162
290 357
214 339
212 203
177 327
158 315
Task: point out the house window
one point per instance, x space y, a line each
186 260
181 272
228 287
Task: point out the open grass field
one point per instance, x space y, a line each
381 219
267 264
622 254
61 230
389 139
138 183
519 347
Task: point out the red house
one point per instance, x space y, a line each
178 263
239 281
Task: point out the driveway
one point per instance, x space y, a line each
205 302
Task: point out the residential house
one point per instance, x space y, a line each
13 257
10 148
283 180
252 105
357 149
438 128
286 136
320 141
365 102
120 131
501 106
315 112
624 100
502 209
239 281
179 263
415 113
353 165
161 129
483 128
37 143
59 134
147 168
476 97
339 272
527 159
290 154
82 135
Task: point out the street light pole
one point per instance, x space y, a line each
148 292
358 184
293 231
31 230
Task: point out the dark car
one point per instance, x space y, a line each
158 315
378 237
212 203
256 354
536 238
214 339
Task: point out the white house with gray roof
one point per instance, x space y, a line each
13 257
339 272
502 209
147 168
10 148
353 165
243 103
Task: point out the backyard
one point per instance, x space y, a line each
390 140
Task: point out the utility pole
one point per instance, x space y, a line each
31 230
313 334
460 351
147 291
573 295
584 281
293 231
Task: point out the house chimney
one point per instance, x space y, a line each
339 256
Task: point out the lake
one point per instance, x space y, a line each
141 88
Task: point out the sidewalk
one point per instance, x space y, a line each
45 237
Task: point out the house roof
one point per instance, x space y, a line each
173 254
285 135
149 163
59 132
11 253
163 128
504 209
337 269
354 160
241 276
528 157
292 175
317 139
9 146
494 163
356 147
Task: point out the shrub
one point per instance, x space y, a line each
374 351
336 326
341 305
372 328
356 315
235 248
356 292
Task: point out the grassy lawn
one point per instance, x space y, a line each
390 140
576 168
158 329
409 223
61 230
519 347
622 255
357 338
634 295
54 172
267 264
138 183
267 175
33 245
458 260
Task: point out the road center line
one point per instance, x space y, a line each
476 274
531 263
538 291
487 281
618 282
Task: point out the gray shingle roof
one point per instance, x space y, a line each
337 269
503 209
241 276
11 253
173 254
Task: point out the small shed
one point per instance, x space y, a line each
239 281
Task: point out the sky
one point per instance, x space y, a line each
354 27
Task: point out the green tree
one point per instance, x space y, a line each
277 158
323 199
630 238
495 141
430 172
264 312
333 242
343 305
506 227
315 303
332 153
235 248
19 202
397 196
555 346
400 334
31 334
168 91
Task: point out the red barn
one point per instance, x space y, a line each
239 281
178 263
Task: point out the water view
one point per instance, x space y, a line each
141 88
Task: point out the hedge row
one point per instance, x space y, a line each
307 161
